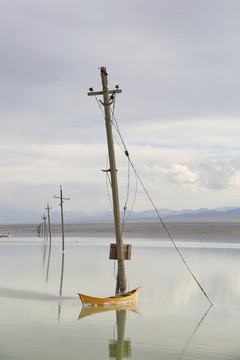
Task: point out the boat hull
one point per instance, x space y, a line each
122 299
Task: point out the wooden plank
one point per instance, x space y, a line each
127 251
117 91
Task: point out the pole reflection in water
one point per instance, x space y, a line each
48 262
120 348
62 270
44 253
61 285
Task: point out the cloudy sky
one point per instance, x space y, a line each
177 62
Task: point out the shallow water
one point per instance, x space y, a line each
42 318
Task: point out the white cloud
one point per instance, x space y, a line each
235 179
180 174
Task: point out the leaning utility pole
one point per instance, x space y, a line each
61 204
121 284
49 224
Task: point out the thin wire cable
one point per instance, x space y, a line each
99 106
125 218
127 197
169 235
116 127
155 208
194 332
157 212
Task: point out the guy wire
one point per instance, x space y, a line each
155 208
157 212
125 218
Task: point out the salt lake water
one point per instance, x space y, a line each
42 316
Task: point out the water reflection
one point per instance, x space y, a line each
48 268
193 333
62 271
44 253
48 265
87 311
119 348
61 285
48 262
174 322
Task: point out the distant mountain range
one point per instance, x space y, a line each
11 215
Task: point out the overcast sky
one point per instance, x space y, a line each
177 62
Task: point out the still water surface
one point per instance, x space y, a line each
42 316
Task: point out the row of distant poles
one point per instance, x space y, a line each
46 230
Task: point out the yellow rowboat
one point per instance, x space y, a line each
122 299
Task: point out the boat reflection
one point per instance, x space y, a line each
119 348
91 310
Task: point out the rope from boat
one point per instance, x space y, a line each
159 216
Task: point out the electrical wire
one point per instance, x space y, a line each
115 124
159 216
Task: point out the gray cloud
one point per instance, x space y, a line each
177 63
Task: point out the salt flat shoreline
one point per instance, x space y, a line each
212 230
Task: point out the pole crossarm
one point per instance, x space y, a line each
93 93
61 198
48 208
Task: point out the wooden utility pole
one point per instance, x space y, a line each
121 284
61 204
49 224
44 227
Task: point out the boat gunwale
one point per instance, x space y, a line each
110 300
